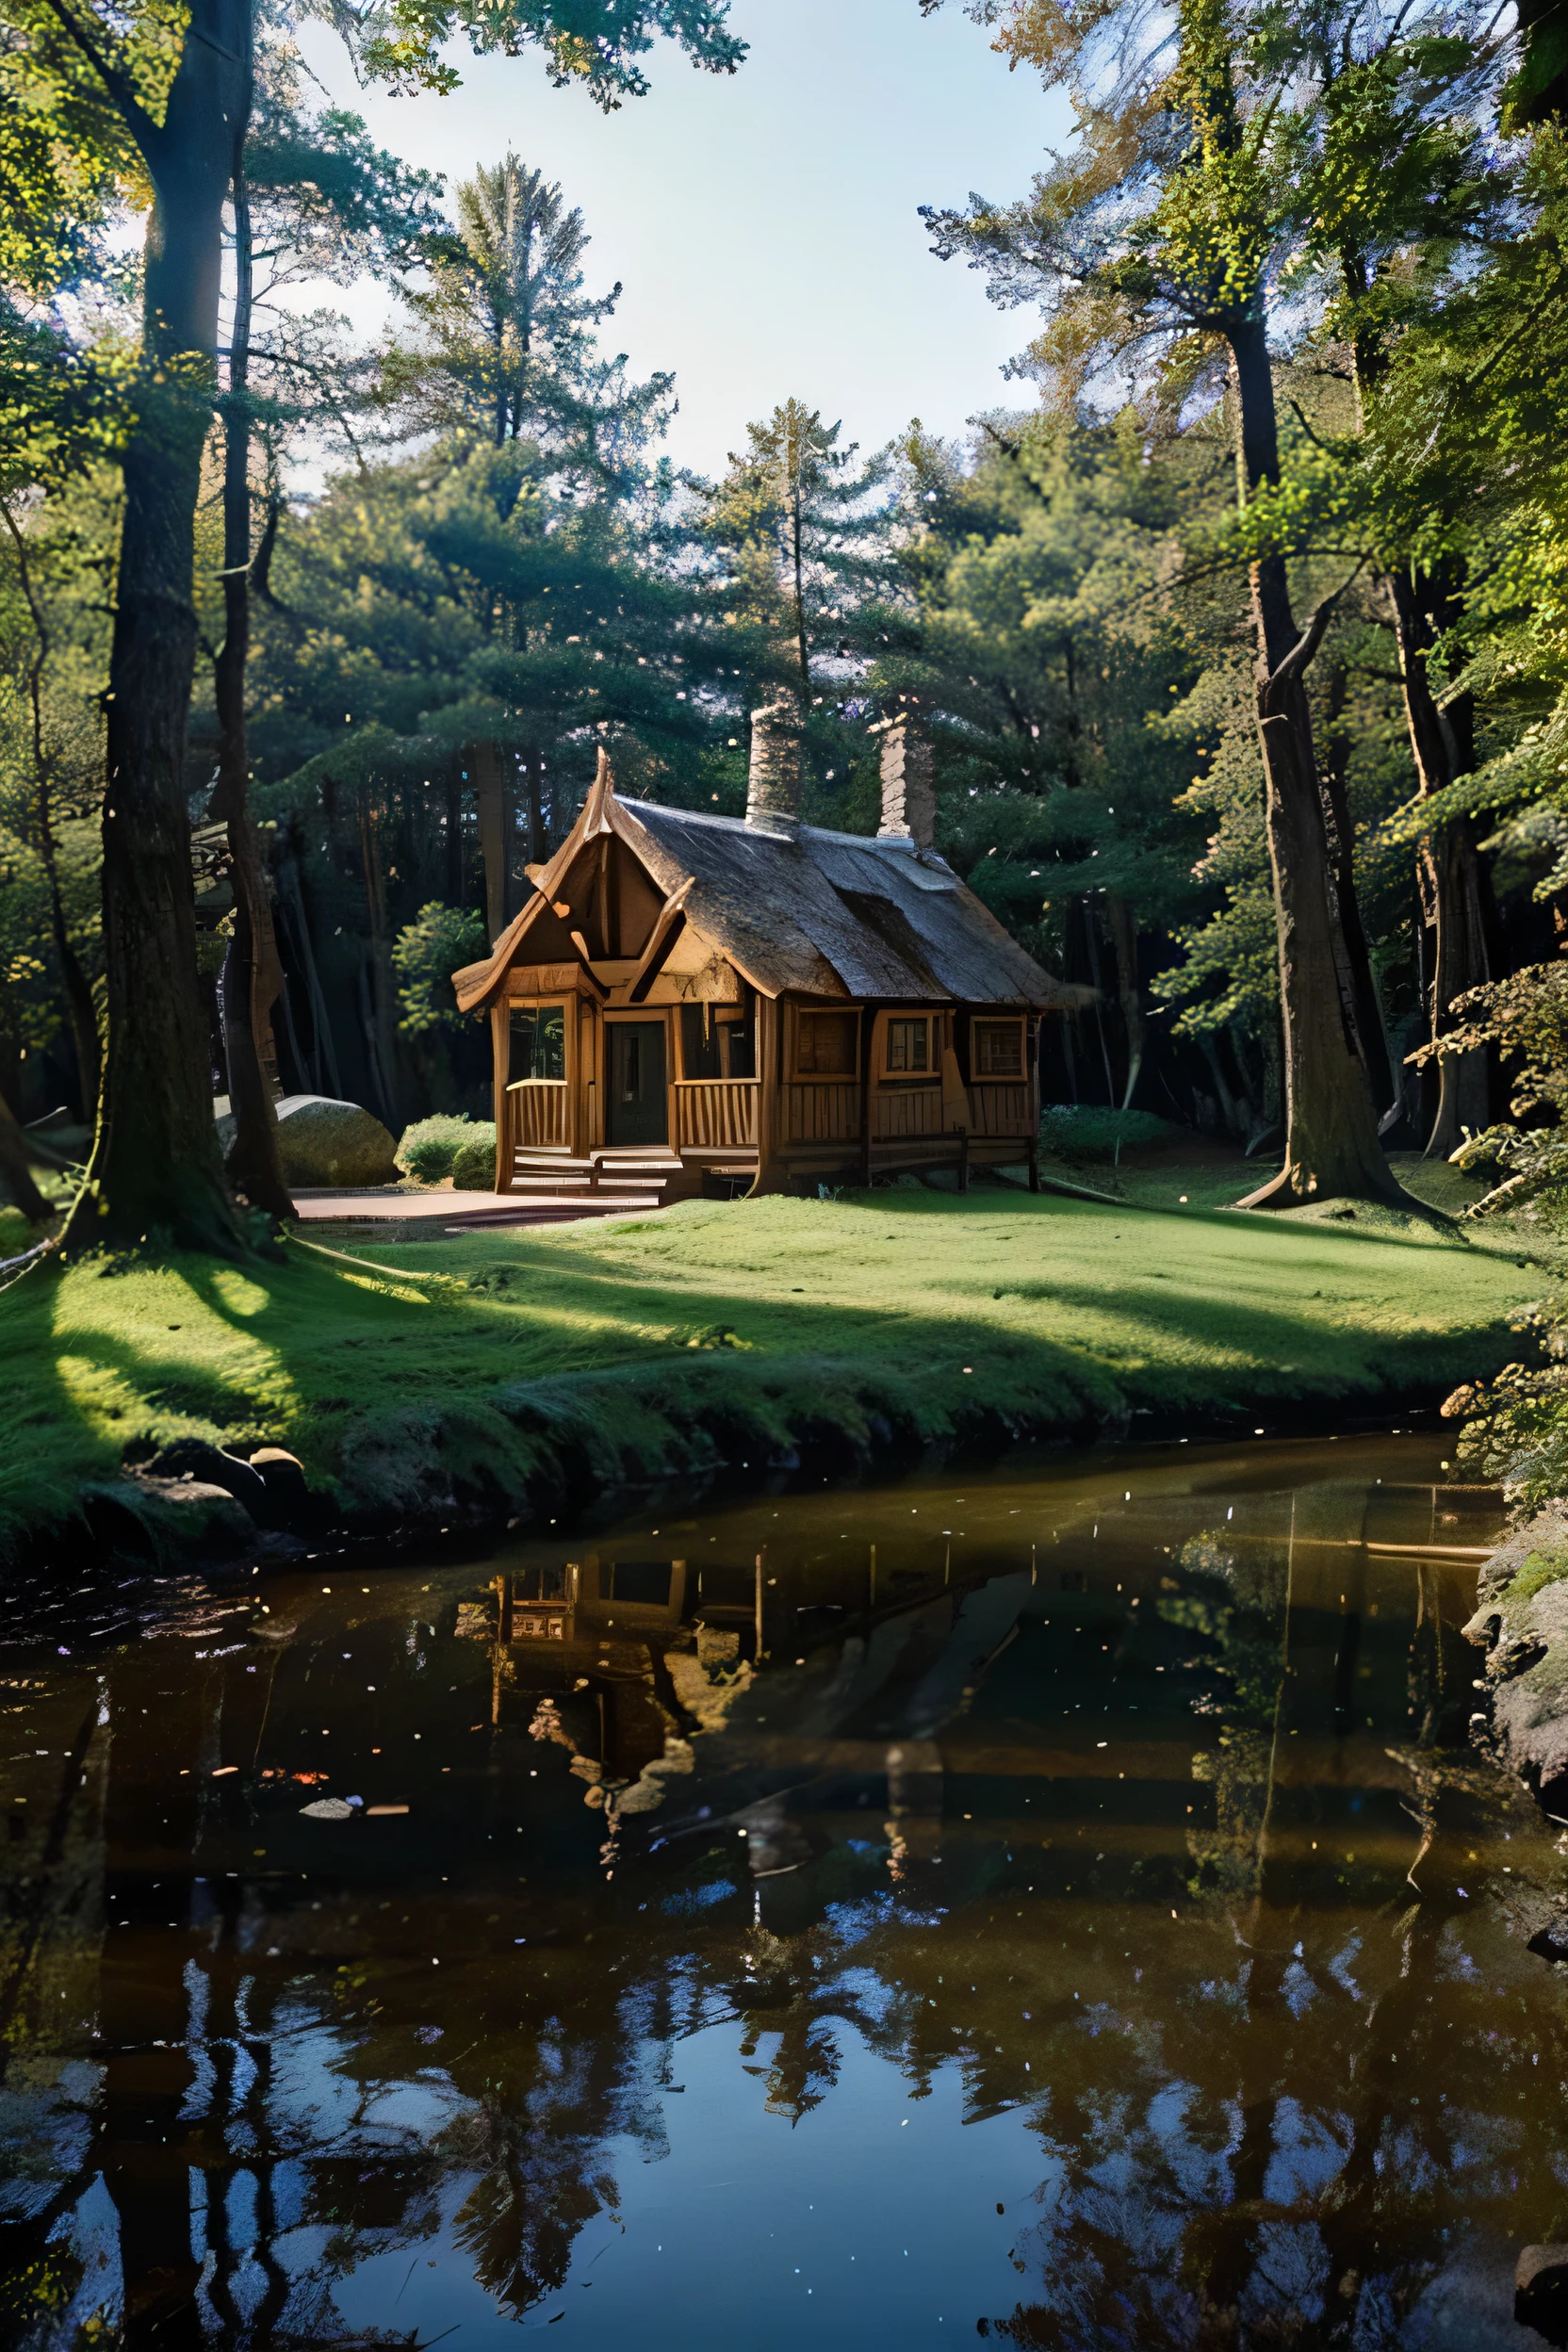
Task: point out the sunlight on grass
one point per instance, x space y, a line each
914 1312
239 1294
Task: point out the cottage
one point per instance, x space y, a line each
712 1003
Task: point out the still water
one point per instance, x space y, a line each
1053 1903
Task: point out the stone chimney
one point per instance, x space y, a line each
908 792
773 787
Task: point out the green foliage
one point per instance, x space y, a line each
802 530
1526 1018
1540 1569
474 1162
1043 651
439 941
1086 1131
425 1149
599 46
509 351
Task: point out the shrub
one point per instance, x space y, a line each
427 952
474 1169
429 1147
1090 1130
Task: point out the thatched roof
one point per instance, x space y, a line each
827 914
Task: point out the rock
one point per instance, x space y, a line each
199 1520
289 1501
193 1458
328 1809
1541 2291
323 1143
1526 1641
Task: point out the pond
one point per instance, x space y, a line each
1053 1903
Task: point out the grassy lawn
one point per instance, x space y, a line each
586 1352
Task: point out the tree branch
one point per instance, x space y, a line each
1302 652
147 133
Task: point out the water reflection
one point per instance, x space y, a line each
1049 1904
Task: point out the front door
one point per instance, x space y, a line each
637 1108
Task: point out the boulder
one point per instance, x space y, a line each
193 1519
192 1457
1541 2292
290 1503
323 1143
1523 1632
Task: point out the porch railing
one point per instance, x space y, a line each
536 1115
715 1114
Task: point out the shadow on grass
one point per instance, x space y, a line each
554 1362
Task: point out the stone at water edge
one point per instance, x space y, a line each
322 1143
283 1477
1541 2291
1526 1660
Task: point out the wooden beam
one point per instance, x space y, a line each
500 1050
771 1175
668 927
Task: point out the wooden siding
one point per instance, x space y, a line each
897 1112
822 1112
1000 1108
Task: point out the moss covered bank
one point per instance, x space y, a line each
504 1372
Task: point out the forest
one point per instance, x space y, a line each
1114 1380
1238 634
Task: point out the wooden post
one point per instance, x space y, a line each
770 1025
501 1048
760 1614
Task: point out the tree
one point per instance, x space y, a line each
1040 655
185 105
1167 238
510 345
309 196
803 526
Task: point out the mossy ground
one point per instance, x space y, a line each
595 1351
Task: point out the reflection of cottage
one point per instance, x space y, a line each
692 996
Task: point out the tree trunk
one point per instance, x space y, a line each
533 784
1453 885
324 1047
154 1163
251 972
1124 938
1332 1146
454 830
14 1171
378 979
484 769
80 1009
1380 1074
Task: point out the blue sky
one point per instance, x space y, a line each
765 226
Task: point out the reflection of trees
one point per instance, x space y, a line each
1237 2110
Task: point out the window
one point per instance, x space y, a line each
538 1042
826 1045
640 1583
717 1041
999 1048
908 1046
539 1584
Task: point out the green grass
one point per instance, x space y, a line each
409 1374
